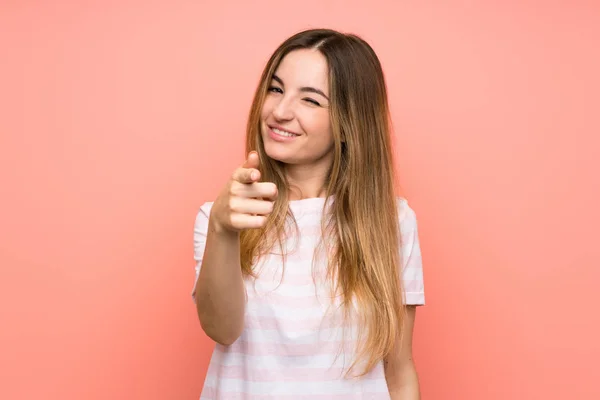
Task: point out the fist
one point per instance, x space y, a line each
244 202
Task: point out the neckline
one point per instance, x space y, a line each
309 203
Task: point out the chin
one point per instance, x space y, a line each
282 155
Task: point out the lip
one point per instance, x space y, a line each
279 138
281 128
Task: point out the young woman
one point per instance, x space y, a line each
308 267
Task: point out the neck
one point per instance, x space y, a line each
306 181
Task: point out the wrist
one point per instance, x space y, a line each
218 229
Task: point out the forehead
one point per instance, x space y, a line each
305 67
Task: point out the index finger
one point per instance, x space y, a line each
246 175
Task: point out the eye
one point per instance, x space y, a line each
275 89
311 101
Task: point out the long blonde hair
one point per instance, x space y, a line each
363 220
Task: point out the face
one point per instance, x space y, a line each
295 121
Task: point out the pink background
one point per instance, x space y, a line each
118 119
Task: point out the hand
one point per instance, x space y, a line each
245 202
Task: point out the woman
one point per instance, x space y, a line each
308 266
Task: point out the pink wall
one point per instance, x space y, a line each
118 119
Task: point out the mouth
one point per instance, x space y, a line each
282 132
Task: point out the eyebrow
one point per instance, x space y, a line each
302 89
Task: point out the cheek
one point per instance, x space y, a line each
267 108
322 124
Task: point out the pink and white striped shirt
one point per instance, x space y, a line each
293 345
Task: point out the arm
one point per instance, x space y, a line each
400 371
220 295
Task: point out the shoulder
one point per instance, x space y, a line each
203 213
206 207
406 215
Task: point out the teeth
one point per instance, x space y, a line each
283 133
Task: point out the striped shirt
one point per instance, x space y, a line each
296 343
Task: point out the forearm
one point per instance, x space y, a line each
405 384
408 392
220 294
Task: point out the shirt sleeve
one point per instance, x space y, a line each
411 261
200 232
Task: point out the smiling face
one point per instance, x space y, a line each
295 121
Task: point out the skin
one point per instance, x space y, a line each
400 372
220 296
297 102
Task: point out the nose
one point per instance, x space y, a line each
283 111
